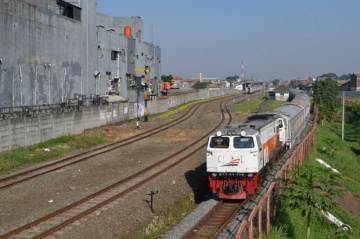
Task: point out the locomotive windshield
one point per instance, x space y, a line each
243 142
219 142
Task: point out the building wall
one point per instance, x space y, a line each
42 53
46 58
135 53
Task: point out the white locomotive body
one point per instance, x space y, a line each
237 155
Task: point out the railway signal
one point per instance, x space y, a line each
146 71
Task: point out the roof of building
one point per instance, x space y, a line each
282 89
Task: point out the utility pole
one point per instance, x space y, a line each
146 93
242 71
343 116
98 47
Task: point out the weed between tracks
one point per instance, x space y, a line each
181 108
270 105
345 157
162 222
50 149
249 106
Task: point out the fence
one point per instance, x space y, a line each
266 205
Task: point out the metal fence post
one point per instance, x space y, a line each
260 221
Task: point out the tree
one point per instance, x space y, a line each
200 85
310 191
325 94
232 79
167 78
295 83
329 75
276 82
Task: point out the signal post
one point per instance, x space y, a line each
146 71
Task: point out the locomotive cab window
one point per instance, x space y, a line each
219 142
243 142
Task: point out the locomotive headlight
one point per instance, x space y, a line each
218 133
214 175
243 133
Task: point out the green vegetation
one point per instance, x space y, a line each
270 105
50 149
310 192
345 157
200 85
162 223
275 82
167 78
325 94
249 106
258 104
172 112
179 109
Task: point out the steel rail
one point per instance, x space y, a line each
213 223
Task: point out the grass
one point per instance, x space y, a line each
270 105
161 223
253 105
173 112
181 108
249 106
58 147
344 156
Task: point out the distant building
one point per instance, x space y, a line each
355 82
345 85
282 93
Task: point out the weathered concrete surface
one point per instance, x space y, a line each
47 58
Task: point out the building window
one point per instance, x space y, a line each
68 10
114 55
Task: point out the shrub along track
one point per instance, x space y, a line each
57 220
26 175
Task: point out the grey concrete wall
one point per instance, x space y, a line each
46 57
27 131
135 53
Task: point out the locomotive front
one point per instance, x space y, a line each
233 162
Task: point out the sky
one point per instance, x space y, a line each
283 39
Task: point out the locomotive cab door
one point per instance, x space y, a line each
281 131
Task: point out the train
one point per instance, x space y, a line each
238 154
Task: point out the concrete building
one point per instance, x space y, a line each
54 50
355 82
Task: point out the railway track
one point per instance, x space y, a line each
26 175
210 226
63 217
